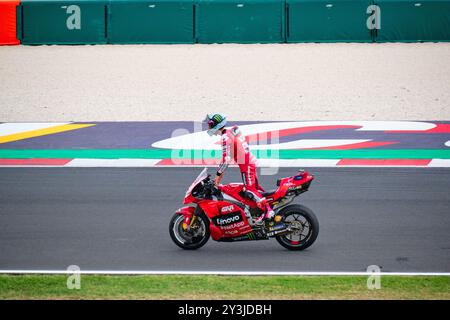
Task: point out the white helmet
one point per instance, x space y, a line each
216 121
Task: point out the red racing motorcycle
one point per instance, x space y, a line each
226 213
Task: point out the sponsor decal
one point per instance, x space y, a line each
233 226
73 22
232 232
228 208
228 219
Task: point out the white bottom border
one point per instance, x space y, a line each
225 273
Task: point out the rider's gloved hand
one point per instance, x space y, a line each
217 180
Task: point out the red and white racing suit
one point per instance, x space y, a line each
235 148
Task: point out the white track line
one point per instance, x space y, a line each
14 128
439 163
226 273
287 163
112 163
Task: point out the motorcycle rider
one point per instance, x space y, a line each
234 147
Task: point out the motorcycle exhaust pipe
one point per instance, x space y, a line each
278 230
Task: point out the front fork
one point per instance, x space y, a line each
189 217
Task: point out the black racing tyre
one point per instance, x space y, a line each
305 219
193 239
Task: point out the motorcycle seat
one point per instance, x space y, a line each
268 193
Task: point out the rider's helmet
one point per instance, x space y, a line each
215 121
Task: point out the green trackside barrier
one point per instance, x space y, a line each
221 21
63 22
412 21
146 21
245 21
328 21
19 22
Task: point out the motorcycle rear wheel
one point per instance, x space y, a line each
307 222
189 240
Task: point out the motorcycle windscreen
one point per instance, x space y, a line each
199 178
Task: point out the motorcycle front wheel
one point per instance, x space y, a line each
194 238
305 223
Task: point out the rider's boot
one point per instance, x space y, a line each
270 214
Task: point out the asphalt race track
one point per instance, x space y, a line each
117 219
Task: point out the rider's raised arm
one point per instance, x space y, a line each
226 155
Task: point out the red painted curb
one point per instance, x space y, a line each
37 161
188 162
384 162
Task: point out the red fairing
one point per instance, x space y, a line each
187 212
234 190
227 219
216 233
295 182
189 199
288 184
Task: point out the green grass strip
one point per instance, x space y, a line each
206 154
223 287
